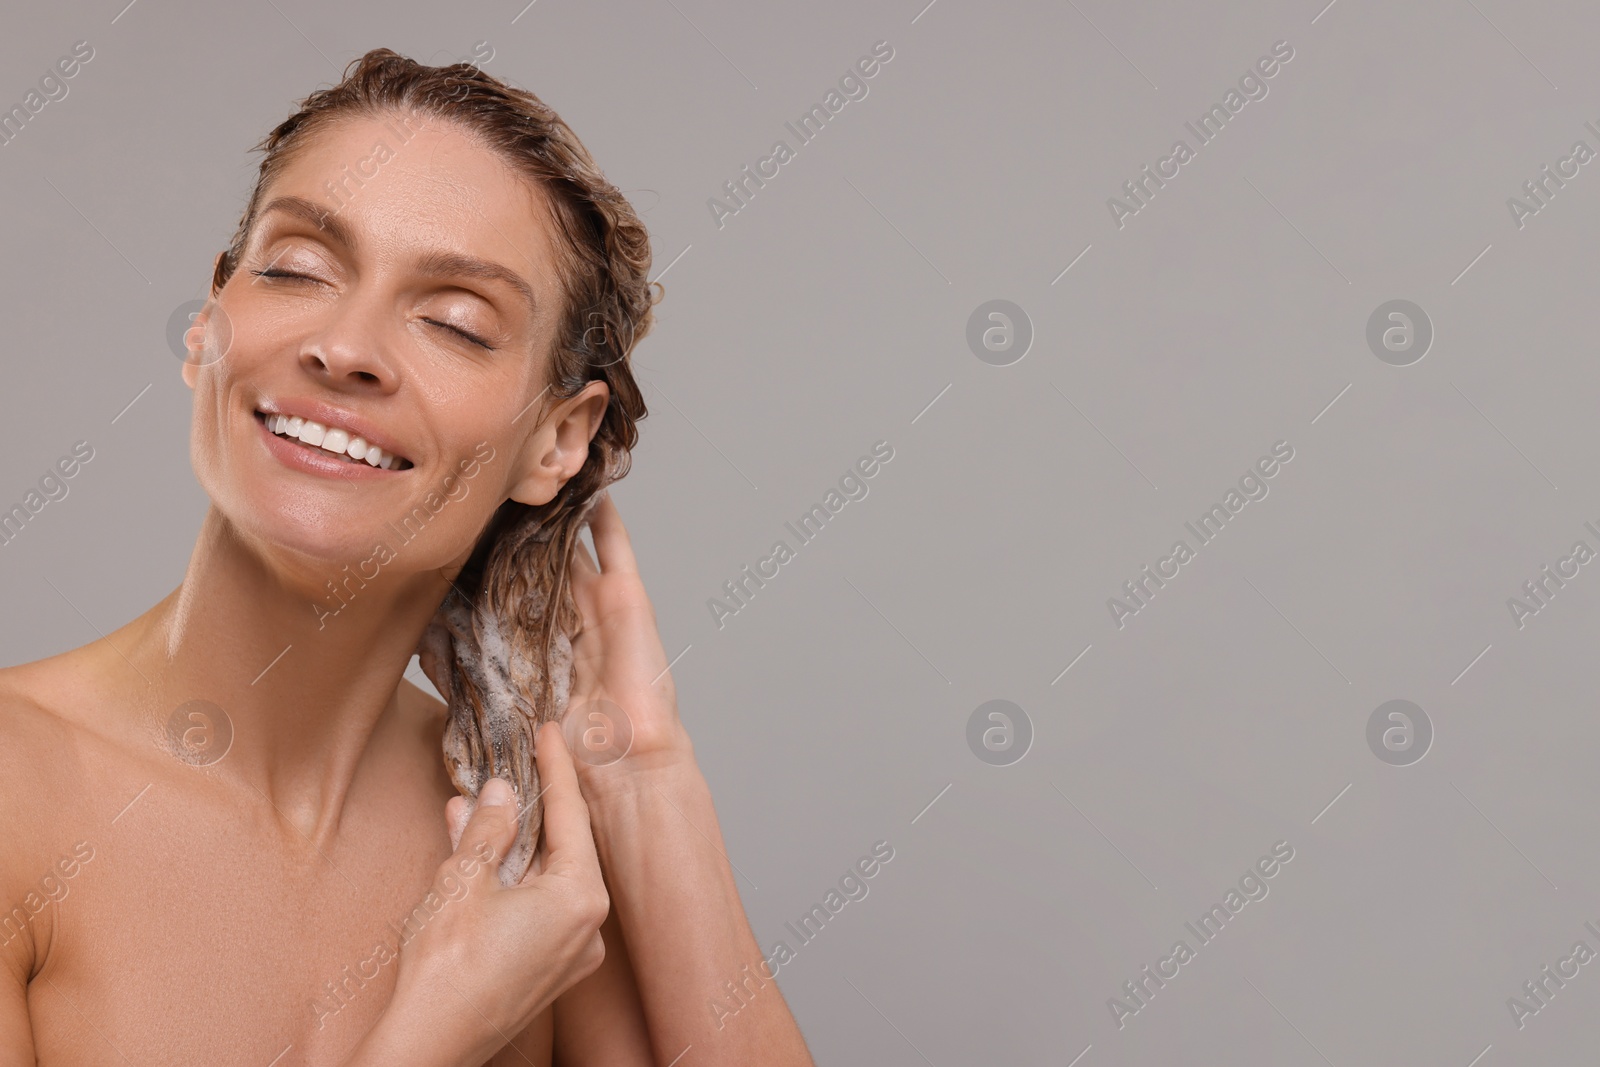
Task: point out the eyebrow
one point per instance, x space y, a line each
434 264
323 219
455 265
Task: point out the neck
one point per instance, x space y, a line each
305 679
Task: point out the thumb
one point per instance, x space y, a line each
491 828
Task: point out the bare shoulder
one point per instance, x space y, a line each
424 715
36 746
26 736
37 751
421 722
42 741
421 702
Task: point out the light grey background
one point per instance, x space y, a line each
831 312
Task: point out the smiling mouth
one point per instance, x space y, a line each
332 442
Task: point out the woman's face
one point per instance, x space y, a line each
399 286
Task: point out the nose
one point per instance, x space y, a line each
349 352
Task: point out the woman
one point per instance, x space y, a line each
411 380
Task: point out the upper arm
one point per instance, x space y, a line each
18 882
16 1028
600 1020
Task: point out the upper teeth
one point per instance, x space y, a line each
335 440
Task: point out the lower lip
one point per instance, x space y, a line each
312 460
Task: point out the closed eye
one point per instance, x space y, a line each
460 333
271 272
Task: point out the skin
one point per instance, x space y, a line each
219 899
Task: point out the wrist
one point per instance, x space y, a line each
662 761
619 795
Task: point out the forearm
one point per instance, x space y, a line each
695 960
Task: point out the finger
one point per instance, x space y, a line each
611 538
536 865
490 830
569 839
541 845
456 811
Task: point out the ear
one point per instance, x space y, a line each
194 336
193 341
559 446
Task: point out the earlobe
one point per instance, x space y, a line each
193 341
541 471
558 451
541 485
527 492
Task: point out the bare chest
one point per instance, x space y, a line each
187 934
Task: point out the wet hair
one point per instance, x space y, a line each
499 648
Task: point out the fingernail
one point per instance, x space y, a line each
496 792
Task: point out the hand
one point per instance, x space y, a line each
618 664
488 958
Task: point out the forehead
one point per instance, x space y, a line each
407 186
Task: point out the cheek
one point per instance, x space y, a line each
432 528
209 446
240 344
453 532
